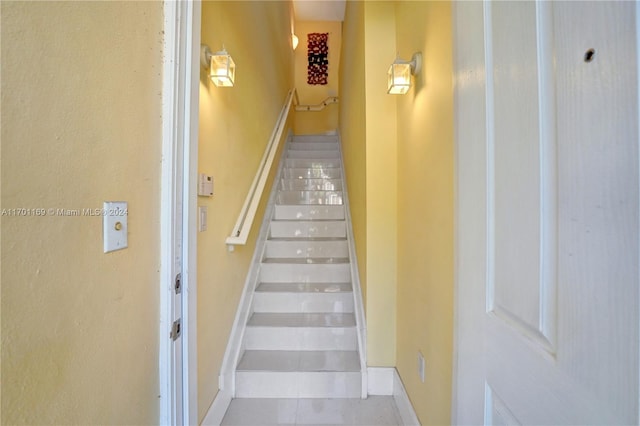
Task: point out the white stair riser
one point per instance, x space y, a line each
309 197
302 302
267 384
315 138
294 229
301 338
305 273
306 153
313 146
325 163
311 212
311 184
304 249
306 173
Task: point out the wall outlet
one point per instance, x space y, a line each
421 366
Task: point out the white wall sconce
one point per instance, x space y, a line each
222 69
399 74
294 41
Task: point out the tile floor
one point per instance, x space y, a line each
373 411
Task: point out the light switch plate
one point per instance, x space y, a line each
202 218
114 225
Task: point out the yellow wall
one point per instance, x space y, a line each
368 129
425 209
353 128
81 124
235 125
313 122
380 50
399 162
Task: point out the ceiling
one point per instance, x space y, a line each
319 10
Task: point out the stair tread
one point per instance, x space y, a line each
309 220
303 191
308 239
320 288
307 260
260 319
292 361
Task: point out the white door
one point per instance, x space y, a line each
548 238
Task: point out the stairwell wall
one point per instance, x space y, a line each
314 122
353 129
406 141
235 125
368 128
425 220
81 124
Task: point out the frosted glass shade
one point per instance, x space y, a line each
399 78
223 69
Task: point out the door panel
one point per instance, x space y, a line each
521 162
548 224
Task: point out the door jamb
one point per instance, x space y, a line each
180 98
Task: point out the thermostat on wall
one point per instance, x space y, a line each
205 185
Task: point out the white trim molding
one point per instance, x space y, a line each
380 380
386 381
178 377
407 413
218 409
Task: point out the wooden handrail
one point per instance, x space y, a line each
240 232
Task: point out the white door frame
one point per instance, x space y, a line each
181 74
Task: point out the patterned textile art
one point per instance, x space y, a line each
318 55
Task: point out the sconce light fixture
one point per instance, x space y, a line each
399 74
222 69
294 41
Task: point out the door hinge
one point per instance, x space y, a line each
177 284
176 330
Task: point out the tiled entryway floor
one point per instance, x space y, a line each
373 411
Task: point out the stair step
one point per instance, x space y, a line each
305 163
298 384
308 212
310 173
305 260
300 338
299 361
280 302
313 146
302 320
309 198
311 184
305 272
304 287
315 138
307 228
306 249
315 154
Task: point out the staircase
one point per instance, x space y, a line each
301 337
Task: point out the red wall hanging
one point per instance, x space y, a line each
318 56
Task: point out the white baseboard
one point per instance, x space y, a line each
217 409
380 381
386 381
407 413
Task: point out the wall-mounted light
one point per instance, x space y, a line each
399 74
222 69
294 41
